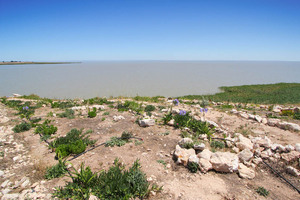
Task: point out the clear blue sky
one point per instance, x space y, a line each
49 30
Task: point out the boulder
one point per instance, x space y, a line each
234 111
258 118
224 162
183 155
244 143
277 109
146 122
297 147
289 148
117 118
194 159
291 156
13 196
263 142
245 172
273 122
264 120
245 155
199 147
204 165
292 171
244 115
205 154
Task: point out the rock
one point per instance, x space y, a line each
194 159
277 109
289 148
184 141
236 150
244 143
291 156
257 161
1 173
294 127
245 155
146 122
224 161
182 155
212 123
266 154
258 118
6 191
234 111
264 120
205 154
117 118
204 165
92 197
171 122
264 142
245 172
244 115
273 122
13 196
25 183
5 183
297 147
199 147
292 171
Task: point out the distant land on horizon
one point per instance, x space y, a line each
26 62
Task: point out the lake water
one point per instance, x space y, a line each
144 78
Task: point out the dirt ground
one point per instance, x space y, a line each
177 181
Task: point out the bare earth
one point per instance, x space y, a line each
26 156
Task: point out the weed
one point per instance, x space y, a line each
188 145
45 130
116 183
162 162
69 113
217 145
93 113
1 153
63 104
24 126
192 167
168 117
138 142
50 114
57 170
130 105
149 108
96 100
103 119
165 133
148 99
106 113
262 191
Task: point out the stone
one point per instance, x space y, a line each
6 191
146 122
257 161
289 148
182 155
118 118
297 147
92 197
264 142
184 141
294 127
194 159
1 173
245 155
277 109
245 172
205 154
13 196
25 183
224 162
291 156
199 147
244 143
273 122
234 111
244 115
236 150
5 183
204 165
292 171
258 118
171 122
212 123
264 120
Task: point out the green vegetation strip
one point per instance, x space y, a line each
280 93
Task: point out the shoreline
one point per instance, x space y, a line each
26 63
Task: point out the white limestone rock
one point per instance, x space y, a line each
205 154
244 143
182 155
204 165
146 122
245 155
245 172
224 162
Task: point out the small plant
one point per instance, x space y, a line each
69 113
63 104
162 162
165 133
92 113
149 108
50 114
192 167
168 117
74 142
262 191
106 113
24 126
103 119
119 141
217 144
188 145
45 130
57 170
130 105
138 142
1 153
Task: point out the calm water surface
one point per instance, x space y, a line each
144 78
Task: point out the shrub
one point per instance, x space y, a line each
93 113
188 145
119 141
106 113
57 170
63 104
24 126
262 191
217 144
74 142
69 113
168 117
149 108
116 183
45 130
287 113
130 105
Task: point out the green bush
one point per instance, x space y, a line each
130 105
96 100
192 167
149 108
63 104
217 144
45 130
92 113
57 170
262 191
114 184
119 141
24 126
168 117
74 142
106 113
69 113
287 113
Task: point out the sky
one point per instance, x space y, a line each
80 30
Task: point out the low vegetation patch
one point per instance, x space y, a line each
45 130
119 141
75 142
56 171
93 113
115 183
22 127
69 113
130 105
96 100
262 191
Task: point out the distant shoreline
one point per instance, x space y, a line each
26 63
